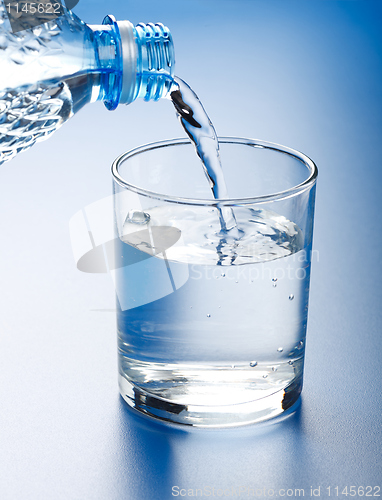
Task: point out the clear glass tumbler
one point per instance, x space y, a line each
212 325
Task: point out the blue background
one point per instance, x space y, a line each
303 73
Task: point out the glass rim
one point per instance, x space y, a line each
281 195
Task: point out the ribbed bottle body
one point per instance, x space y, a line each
50 72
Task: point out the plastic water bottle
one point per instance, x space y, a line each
49 72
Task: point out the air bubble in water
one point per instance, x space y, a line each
280 349
253 364
138 217
291 296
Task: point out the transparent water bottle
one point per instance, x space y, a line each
51 71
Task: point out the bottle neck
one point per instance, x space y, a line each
134 61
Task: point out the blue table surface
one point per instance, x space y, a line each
304 73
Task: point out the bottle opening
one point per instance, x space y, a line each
145 62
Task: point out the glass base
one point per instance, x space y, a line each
227 415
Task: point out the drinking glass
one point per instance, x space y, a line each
212 322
